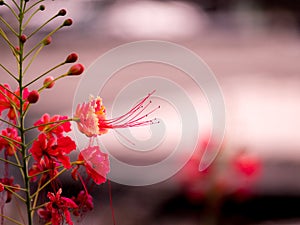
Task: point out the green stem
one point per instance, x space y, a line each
14 193
11 219
41 42
15 3
30 17
8 123
10 73
8 26
2 34
48 182
13 141
22 117
59 122
57 78
33 5
11 163
39 77
40 27
33 58
12 11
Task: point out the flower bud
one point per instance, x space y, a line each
49 82
42 7
68 22
72 58
62 12
33 96
17 49
1 187
47 40
23 38
76 69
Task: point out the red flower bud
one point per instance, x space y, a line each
62 12
33 96
76 69
49 82
72 58
68 22
23 38
47 40
1 187
17 49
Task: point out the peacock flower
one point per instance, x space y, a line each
11 100
92 121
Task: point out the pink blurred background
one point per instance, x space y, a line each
253 47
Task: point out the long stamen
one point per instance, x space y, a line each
131 118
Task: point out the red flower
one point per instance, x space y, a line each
53 149
12 187
9 145
92 117
57 210
46 167
56 127
10 101
1 187
96 163
247 164
84 201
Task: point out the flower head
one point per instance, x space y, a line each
9 141
57 210
10 100
12 187
92 117
53 126
53 149
84 201
96 163
46 167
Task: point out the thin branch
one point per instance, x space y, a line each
33 5
59 122
39 77
48 182
11 219
41 42
10 73
43 25
33 58
14 193
9 123
8 26
10 162
12 11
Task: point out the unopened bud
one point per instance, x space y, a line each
62 12
72 58
49 82
1 187
42 7
76 69
47 40
33 96
68 22
17 49
23 38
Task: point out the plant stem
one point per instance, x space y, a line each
22 116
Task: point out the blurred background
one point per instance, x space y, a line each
253 47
